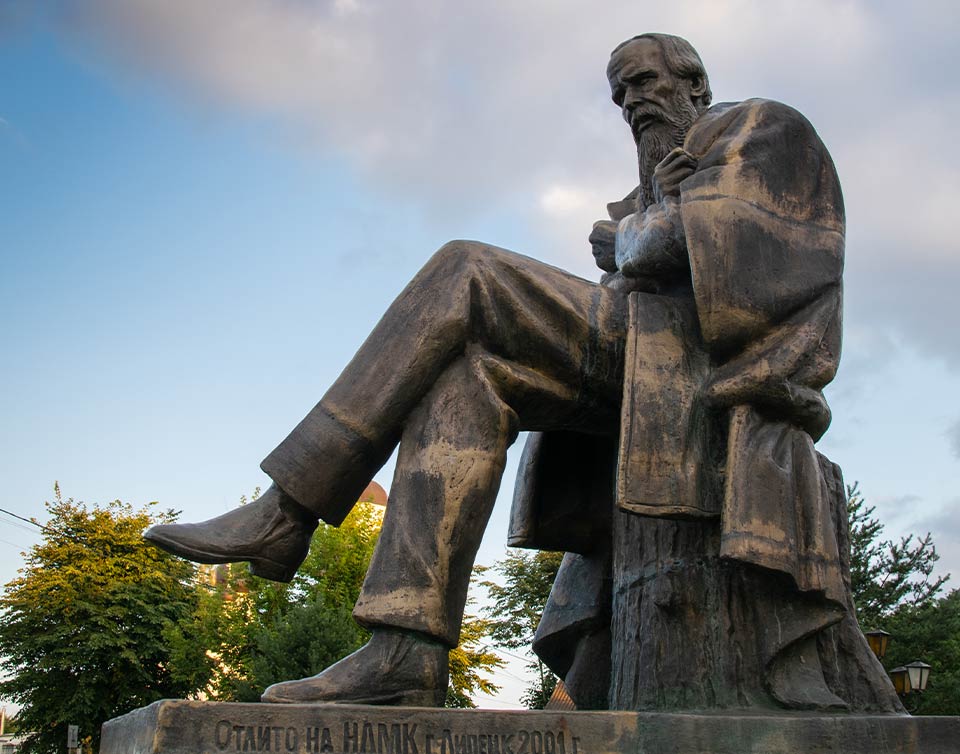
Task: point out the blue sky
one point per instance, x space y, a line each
206 206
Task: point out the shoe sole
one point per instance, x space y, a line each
399 699
262 567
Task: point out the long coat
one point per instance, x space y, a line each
722 397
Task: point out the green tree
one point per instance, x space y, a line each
886 575
895 590
468 661
931 633
82 628
258 632
517 606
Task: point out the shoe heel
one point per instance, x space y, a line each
268 569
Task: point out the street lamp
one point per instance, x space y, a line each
879 641
910 679
901 680
918 673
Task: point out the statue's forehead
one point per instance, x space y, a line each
634 56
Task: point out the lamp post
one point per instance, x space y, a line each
918 673
901 680
878 641
910 679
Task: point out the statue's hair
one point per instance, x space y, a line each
682 60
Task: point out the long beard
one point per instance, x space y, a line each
660 138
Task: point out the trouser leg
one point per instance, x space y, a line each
452 455
558 336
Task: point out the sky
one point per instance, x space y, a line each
204 208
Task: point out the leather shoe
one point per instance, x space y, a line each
394 667
272 533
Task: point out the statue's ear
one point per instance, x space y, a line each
698 85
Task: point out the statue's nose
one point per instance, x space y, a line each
632 99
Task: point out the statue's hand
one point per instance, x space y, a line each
623 284
603 242
671 171
652 243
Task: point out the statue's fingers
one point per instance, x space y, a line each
677 155
677 172
681 168
673 154
684 162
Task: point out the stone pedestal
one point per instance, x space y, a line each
182 727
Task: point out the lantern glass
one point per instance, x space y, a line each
879 641
919 674
901 680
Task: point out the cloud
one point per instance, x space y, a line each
902 504
944 527
446 105
558 200
953 435
503 105
422 95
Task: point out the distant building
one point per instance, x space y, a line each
560 699
375 494
10 744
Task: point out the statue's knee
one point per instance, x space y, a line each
460 257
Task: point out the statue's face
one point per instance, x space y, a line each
644 87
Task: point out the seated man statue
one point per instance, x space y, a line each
703 354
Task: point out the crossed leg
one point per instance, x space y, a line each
481 344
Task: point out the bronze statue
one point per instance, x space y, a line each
701 356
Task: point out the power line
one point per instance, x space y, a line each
16 525
501 701
498 649
47 529
501 672
28 520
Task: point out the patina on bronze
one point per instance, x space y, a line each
673 411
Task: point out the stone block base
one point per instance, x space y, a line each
185 727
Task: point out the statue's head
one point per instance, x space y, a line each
661 87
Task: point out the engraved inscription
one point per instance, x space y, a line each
368 737
229 736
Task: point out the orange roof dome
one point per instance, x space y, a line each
375 494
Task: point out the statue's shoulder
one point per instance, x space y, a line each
752 119
754 110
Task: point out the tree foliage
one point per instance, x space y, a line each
468 661
82 628
931 633
99 622
895 590
258 632
887 575
255 632
518 603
